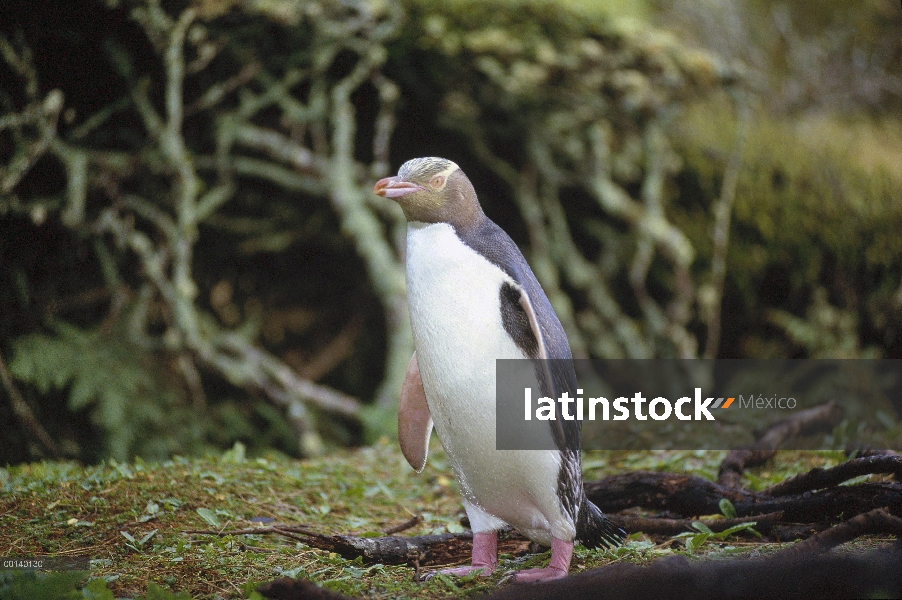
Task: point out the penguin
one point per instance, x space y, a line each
473 299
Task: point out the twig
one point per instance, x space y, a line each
26 155
217 92
278 147
280 529
408 524
427 549
245 364
333 353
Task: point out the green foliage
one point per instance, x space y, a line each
694 541
29 585
156 592
138 544
814 245
118 382
69 585
99 370
826 331
96 589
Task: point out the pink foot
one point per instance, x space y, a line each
561 553
485 557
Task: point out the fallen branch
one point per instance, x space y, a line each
681 494
877 521
425 550
690 496
657 526
822 478
802 423
450 548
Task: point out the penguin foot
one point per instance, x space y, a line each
546 574
559 566
461 571
485 557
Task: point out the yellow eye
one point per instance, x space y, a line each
437 182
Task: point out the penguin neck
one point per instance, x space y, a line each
467 220
462 221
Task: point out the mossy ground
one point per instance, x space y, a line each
131 519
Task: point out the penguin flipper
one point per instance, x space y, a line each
566 433
414 418
526 305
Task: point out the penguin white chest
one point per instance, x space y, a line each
455 311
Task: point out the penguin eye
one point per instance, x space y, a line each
437 182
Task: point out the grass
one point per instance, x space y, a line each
130 519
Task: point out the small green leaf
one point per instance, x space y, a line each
699 526
128 536
216 477
727 508
736 528
696 542
172 503
209 516
147 537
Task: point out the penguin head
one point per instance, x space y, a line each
432 190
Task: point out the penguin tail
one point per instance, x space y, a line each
594 529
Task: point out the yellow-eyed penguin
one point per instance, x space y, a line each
473 299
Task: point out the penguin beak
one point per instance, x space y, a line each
392 187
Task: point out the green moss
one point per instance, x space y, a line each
817 208
49 508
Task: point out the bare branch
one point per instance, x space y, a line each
45 116
721 234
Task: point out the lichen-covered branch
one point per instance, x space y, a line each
711 301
